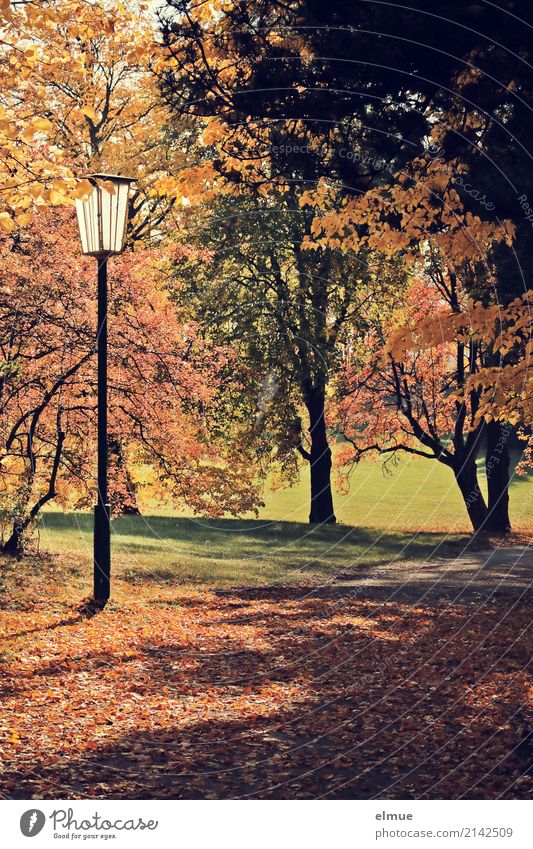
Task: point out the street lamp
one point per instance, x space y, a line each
102 218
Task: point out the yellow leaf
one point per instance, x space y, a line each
57 197
24 218
42 124
89 113
108 186
83 189
6 222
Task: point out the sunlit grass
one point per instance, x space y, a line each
414 512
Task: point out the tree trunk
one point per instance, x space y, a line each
497 468
320 461
13 545
124 501
132 507
24 518
466 477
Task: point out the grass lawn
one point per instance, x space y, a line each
413 513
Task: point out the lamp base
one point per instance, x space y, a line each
102 552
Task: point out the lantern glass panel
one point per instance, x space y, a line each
102 215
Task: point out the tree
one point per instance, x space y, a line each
287 112
91 79
422 215
78 87
418 383
164 386
398 395
355 91
506 394
286 312
259 167
32 169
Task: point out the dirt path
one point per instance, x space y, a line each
483 575
364 687
505 572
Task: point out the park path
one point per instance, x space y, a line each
409 680
478 576
481 575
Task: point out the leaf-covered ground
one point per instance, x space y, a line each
262 693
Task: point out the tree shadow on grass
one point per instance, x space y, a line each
249 532
226 545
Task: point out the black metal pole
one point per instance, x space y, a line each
102 529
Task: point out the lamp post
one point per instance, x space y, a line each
102 219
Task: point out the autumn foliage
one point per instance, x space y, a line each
174 102
325 263
264 693
165 383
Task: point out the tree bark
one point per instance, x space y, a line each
322 511
466 477
124 503
13 544
497 469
